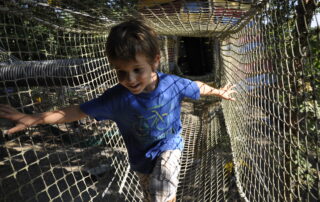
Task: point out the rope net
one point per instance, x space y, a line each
262 147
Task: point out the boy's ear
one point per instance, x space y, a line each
156 62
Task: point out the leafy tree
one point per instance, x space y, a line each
294 47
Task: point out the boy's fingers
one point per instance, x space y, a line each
10 113
17 128
228 92
7 109
4 111
5 115
4 107
231 86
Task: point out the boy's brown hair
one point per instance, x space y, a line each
130 38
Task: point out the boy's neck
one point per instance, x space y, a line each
154 83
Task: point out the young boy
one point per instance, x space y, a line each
145 105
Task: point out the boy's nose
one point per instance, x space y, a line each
130 77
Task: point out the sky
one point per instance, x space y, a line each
316 20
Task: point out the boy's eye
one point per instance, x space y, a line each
121 74
138 70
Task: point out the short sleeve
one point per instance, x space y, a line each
189 89
100 108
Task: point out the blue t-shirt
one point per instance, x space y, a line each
149 122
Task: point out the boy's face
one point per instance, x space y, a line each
137 76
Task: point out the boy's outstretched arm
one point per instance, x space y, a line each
224 92
68 114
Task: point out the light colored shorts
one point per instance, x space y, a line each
161 185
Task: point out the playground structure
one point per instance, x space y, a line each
263 147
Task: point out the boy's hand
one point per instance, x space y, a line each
226 92
23 120
68 114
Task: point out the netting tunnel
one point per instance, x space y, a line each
262 147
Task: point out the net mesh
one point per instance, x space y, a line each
262 147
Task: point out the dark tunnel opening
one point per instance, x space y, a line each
196 56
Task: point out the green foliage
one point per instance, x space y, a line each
294 48
305 172
309 85
100 8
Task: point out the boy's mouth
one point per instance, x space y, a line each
134 86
